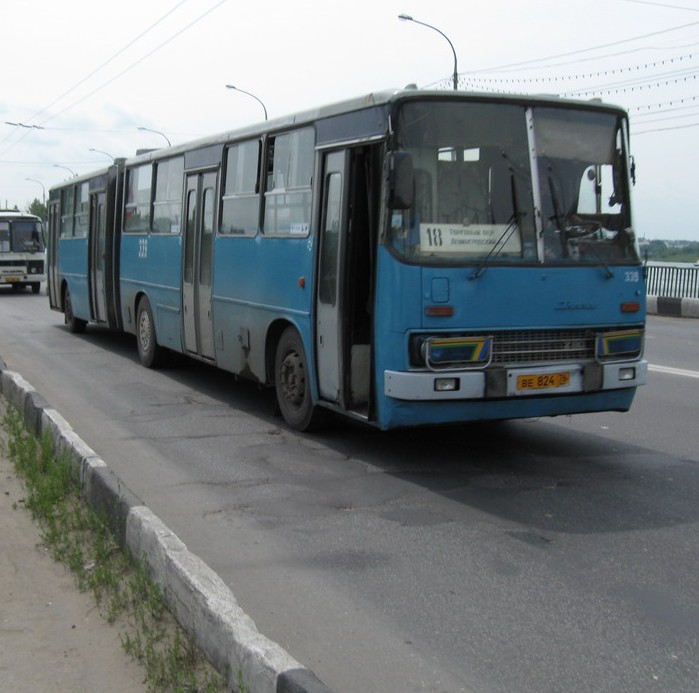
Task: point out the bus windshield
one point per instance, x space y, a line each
480 195
583 186
21 236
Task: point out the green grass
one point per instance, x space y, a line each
80 538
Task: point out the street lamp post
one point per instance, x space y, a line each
264 108
99 151
72 173
157 132
43 189
408 18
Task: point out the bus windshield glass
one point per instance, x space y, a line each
583 186
480 196
21 236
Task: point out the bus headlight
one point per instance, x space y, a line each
449 352
623 345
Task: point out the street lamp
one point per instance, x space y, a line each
157 132
408 18
73 173
99 151
43 189
264 108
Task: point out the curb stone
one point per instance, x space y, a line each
202 603
673 307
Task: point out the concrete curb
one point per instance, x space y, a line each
202 603
673 307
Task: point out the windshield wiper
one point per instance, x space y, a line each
608 274
512 225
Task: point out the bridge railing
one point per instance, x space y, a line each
672 281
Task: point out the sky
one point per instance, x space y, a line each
79 78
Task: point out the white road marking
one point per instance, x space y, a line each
673 371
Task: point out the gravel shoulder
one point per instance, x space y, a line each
52 637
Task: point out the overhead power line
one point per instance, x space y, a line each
580 51
137 62
120 74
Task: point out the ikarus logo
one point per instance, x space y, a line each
569 305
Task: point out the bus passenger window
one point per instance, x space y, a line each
67 205
82 210
289 174
168 196
240 212
4 236
138 199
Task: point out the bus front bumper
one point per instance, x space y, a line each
501 383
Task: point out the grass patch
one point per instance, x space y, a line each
78 537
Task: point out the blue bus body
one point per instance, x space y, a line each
405 259
528 301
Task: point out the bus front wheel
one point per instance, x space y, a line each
150 353
291 378
75 325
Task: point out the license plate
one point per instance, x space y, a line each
543 381
12 279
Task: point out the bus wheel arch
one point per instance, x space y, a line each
150 353
292 380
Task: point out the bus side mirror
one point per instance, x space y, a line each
402 180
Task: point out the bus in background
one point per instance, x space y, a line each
407 258
22 254
84 219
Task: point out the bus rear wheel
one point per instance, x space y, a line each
150 353
75 325
291 379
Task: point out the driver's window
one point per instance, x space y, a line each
597 194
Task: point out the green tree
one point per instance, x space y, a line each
39 209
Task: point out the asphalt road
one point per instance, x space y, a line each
546 555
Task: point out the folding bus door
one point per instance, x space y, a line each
329 323
54 280
98 241
200 205
344 293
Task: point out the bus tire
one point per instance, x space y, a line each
150 353
291 380
75 325
36 287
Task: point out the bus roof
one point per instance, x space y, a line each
372 100
14 214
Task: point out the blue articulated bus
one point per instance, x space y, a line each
407 258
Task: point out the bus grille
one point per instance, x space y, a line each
534 346
528 347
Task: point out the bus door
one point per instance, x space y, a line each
343 298
54 281
200 196
98 240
